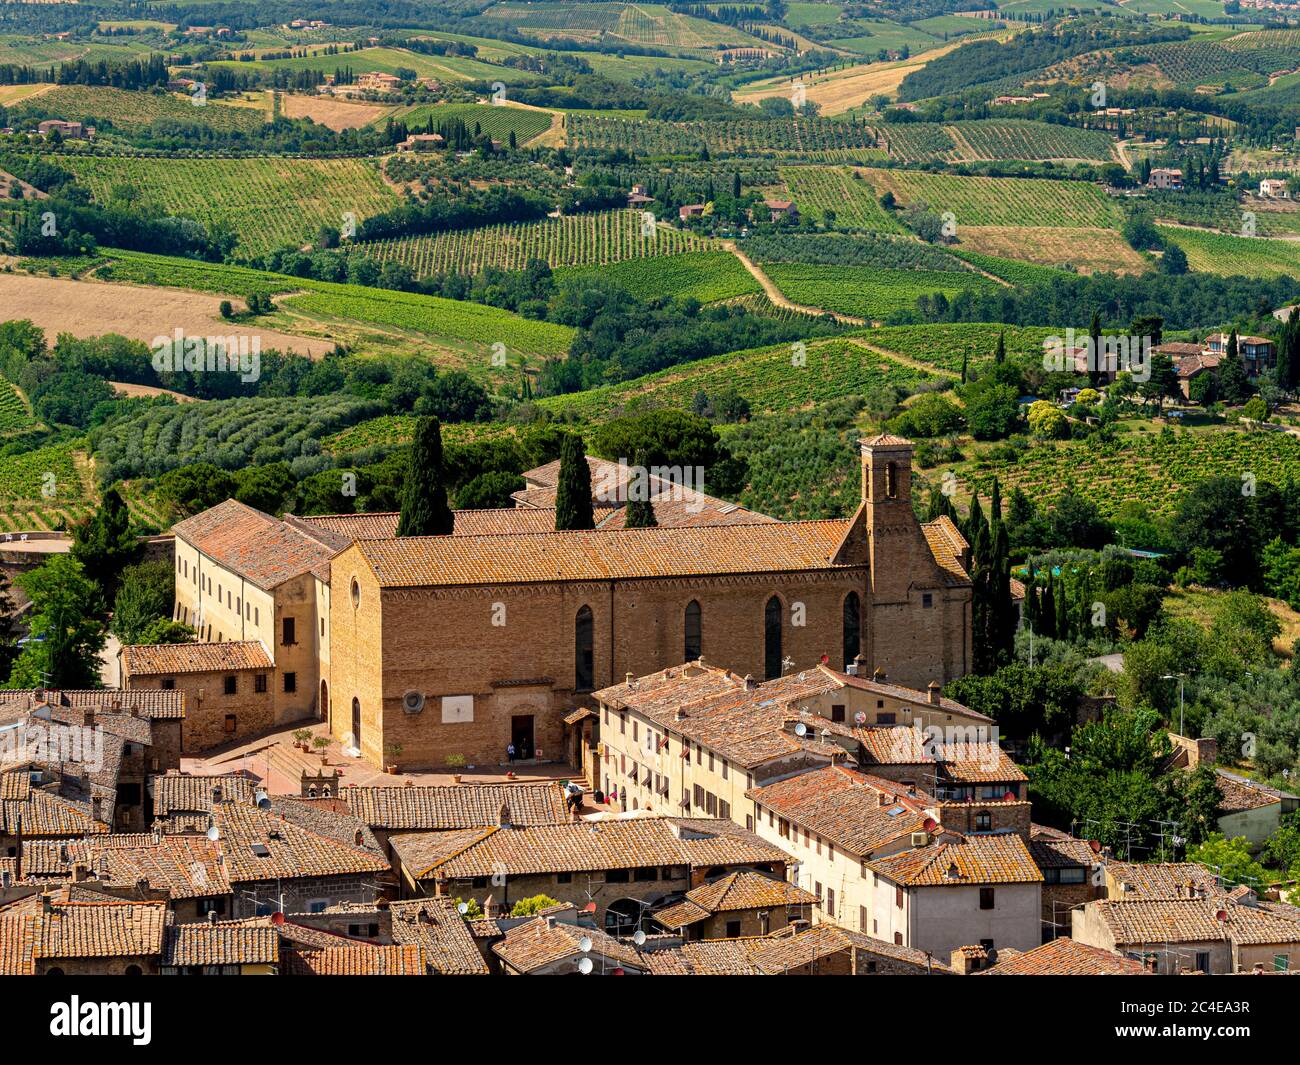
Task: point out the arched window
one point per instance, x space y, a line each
356 723
983 821
772 639
852 627
693 644
584 655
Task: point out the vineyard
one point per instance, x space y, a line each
388 430
843 249
574 240
1085 251
707 276
1221 211
771 379
14 415
98 105
1205 62
790 136
944 346
982 201
1216 253
1009 270
642 24
919 142
452 68
495 122
867 292
460 326
44 489
269 202
1151 469
854 204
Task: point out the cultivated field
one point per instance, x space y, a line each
1217 253
1086 250
981 201
269 202
331 111
575 240
89 308
853 202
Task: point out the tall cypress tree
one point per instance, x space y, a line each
1094 366
1047 615
1062 610
105 545
1031 597
573 508
425 511
999 355
639 512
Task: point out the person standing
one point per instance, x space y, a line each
510 752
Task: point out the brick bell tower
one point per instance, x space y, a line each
910 614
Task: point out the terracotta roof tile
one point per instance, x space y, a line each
1138 921
1161 880
539 943
859 814
369 960
171 658
259 845
611 843
217 944
151 703
441 933
254 545
99 930
965 860
1065 957
742 890
182 793
458 806
423 561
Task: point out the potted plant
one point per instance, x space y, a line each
393 750
321 743
301 738
455 761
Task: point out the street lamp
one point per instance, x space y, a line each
1178 677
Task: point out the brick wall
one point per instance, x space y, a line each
207 706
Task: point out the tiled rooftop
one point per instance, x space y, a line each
742 890
946 862
461 806
539 943
1064 957
172 658
255 546
441 933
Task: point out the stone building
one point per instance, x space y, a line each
458 646
738 904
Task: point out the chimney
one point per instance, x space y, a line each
490 907
212 917
878 676
934 692
88 717
679 714
157 833
967 960
503 815
216 794
858 667
628 679
47 903
80 873
750 682
97 808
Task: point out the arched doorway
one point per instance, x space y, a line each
356 723
324 709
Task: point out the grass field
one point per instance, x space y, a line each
982 201
496 122
854 203
864 291
269 202
707 276
574 240
944 346
643 24
1217 253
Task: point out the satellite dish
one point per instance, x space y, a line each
638 937
1221 916
214 833
1095 844
859 718
462 908
585 966
801 729
931 824
1009 797
584 944
277 918
413 702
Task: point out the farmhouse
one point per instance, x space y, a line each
1274 189
1166 178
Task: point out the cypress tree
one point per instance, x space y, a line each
1062 610
639 512
1031 597
573 493
1047 616
1095 363
999 355
104 544
425 511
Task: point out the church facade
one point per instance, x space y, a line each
443 649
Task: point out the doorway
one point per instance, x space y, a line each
356 723
521 735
